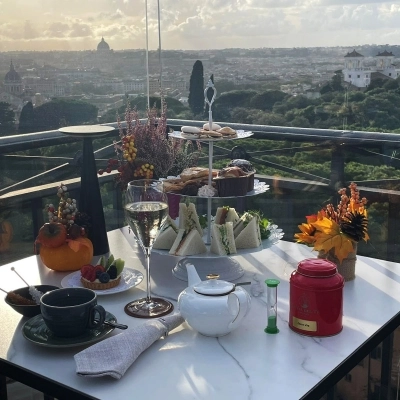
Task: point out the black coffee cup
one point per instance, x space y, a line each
70 312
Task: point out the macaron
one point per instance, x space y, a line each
214 127
191 132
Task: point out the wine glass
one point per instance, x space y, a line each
146 211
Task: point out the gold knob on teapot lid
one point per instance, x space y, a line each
212 276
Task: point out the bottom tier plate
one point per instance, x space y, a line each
227 268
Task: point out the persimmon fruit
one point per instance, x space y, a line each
69 256
52 234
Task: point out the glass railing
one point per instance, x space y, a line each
304 168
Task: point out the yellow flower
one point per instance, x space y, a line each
329 236
307 235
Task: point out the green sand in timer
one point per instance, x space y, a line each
272 298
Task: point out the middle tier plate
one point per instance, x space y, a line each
259 188
225 266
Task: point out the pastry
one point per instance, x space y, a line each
214 126
232 181
246 167
227 131
105 275
231 172
195 173
173 185
214 134
190 132
191 188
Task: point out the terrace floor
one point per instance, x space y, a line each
18 391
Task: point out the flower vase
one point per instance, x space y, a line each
347 268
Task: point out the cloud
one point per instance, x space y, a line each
29 31
199 23
57 30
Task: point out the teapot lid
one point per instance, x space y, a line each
213 286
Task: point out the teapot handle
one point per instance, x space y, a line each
239 296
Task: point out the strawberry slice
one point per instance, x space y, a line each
86 271
91 275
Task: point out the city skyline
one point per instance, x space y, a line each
210 24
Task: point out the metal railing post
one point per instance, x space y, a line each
337 168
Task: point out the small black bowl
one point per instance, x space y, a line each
28 310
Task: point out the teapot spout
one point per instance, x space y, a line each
193 276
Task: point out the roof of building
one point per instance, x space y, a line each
103 45
12 75
354 54
379 75
385 54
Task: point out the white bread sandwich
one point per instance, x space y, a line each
226 214
241 223
188 218
223 241
188 244
167 235
249 237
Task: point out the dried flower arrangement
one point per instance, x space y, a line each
146 151
337 229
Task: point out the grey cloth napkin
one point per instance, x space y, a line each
113 356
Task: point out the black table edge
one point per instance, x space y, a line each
41 383
327 383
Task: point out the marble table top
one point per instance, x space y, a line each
246 364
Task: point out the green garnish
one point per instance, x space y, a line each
203 221
224 240
263 223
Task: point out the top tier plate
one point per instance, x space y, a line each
240 135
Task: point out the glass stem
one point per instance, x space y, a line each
147 252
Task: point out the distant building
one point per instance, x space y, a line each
356 74
13 93
103 46
13 82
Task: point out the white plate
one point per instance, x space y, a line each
129 279
240 135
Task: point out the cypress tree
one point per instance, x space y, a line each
26 119
196 88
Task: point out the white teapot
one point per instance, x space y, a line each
213 307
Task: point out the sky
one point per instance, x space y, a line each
43 25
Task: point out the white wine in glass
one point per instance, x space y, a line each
146 211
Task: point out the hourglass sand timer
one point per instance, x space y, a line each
272 299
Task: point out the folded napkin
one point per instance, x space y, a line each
113 356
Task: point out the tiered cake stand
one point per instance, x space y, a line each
226 267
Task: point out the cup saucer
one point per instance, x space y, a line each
36 331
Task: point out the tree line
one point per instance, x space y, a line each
48 116
375 109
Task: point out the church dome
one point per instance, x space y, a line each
103 45
12 75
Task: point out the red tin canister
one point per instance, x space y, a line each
316 298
